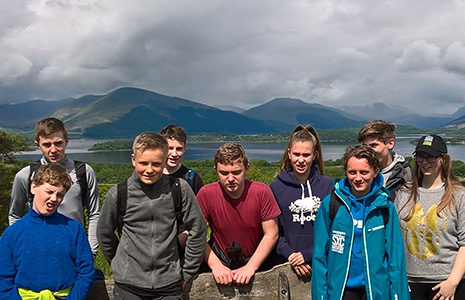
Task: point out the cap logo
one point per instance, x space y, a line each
428 140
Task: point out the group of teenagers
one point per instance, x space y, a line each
385 231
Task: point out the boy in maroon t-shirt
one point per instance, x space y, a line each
242 216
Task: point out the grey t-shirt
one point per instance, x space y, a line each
72 203
431 243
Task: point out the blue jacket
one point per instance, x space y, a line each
295 220
45 252
382 249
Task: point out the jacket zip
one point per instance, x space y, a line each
350 250
365 247
367 261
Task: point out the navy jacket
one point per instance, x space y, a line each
298 211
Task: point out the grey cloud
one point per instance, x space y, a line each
419 56
454 58
236 52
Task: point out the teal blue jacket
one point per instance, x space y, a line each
383 251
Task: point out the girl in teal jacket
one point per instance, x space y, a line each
358 250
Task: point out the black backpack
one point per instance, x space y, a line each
122 201
335 202
79 167
189 177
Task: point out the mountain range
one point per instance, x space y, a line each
125 112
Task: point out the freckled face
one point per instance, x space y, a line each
149 165
47 198
360 176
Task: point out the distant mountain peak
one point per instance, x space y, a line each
295 111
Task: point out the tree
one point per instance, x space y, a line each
9 144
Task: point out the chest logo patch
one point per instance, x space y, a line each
307 205
338 239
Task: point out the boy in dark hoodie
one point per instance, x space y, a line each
299 189
177 143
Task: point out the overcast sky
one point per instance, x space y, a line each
241 52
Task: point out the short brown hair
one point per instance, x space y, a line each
54 174
378 129
360 152
229 153
49 126
149 141
174 132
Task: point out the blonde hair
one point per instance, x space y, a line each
303 133
149 140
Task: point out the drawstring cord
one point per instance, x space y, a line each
310 195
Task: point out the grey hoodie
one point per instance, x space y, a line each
146 256
396 174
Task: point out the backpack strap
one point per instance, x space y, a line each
334 204
121 204
33 167
189 176
385 212
80 168
176 194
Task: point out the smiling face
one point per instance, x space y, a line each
176 151
231 177
53 146
429 165
149 165
301 155
47 198
360 176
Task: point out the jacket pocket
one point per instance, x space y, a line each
375 228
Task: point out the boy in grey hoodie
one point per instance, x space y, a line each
144 260
381 137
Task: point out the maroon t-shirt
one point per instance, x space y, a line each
239 219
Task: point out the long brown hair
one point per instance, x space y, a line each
450 184
303 133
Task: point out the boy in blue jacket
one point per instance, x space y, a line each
358 251
46 255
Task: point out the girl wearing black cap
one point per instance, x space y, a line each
432 216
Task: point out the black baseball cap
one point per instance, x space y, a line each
433 145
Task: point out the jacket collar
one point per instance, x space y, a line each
378 197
